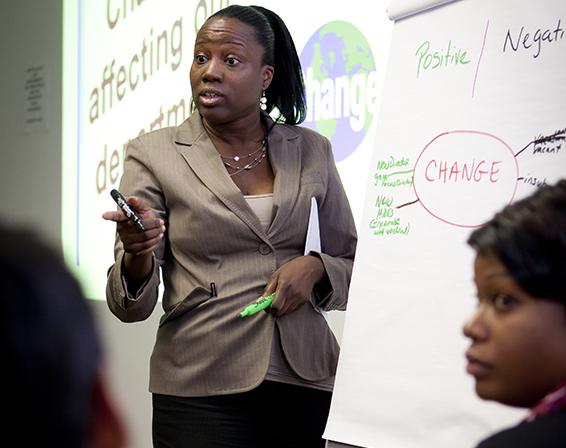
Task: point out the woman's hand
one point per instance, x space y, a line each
138 244
293 283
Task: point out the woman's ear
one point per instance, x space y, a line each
268 72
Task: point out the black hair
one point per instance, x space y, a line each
49 344
529 238
287 89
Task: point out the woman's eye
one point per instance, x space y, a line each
232 61
200 59
503 302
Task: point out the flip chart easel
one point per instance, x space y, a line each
472 118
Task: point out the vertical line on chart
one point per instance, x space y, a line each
479 60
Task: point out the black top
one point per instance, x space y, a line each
548 431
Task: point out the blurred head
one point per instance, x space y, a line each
53 389
518 333
268 40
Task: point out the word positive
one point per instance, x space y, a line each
429 60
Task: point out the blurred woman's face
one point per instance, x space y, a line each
518 350
228 74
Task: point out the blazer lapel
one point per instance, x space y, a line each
198 150
285 159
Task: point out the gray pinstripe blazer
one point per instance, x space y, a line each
212 235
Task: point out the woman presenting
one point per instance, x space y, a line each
225 200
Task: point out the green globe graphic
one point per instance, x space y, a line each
339 70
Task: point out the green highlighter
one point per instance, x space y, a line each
257 306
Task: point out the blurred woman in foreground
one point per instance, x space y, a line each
518 333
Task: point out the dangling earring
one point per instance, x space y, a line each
263 102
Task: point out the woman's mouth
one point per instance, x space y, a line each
210 98
476 367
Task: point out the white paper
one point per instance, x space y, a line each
313 231
313 243
497 97
36 99
399 9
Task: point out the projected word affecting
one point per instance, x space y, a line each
523 40
430 59
118 79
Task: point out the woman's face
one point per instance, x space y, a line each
227 75
518 350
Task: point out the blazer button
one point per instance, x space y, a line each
264 249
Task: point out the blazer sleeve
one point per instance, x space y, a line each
137 180
338 239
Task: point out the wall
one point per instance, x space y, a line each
30 179
30 167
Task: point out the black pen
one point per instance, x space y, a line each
121 201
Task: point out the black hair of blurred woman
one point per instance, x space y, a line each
49 345
287 89
529 238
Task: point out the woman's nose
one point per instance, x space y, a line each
475 328
213 71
